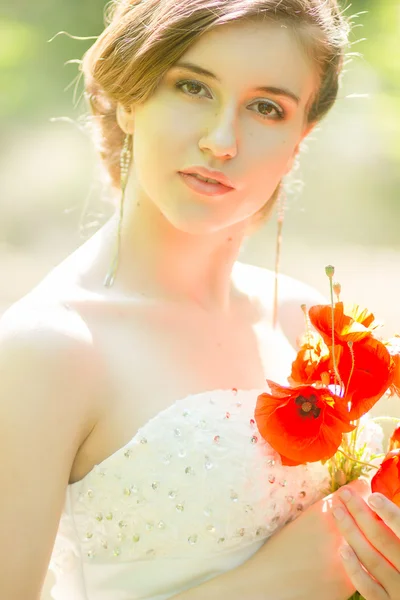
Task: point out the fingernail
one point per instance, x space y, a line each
376 501
338 513
345 494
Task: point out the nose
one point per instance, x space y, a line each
221 138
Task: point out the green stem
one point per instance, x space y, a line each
330 272
333 332
350 345
360 462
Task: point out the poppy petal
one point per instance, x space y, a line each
394 441
351 323
371 376
387 479
305 425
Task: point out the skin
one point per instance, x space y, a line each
180 246
372 552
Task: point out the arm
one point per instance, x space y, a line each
42 405
299 562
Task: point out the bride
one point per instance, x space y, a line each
129 375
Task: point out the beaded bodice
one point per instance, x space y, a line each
196 492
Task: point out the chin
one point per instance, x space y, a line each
196 226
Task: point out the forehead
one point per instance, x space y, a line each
255 53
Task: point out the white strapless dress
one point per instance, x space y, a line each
195 493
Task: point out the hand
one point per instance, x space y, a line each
301 560
373 562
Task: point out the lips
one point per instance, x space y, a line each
209 174
203 187
207 180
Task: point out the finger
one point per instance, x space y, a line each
370 589
360 486
373 528
370 558
387 510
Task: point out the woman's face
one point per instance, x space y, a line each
224 122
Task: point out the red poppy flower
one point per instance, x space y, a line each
393 347
396 378
394 441
371 376
312 360
351 322
314 364
387 479
302 424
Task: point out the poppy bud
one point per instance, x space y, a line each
337 288
330 271
340 478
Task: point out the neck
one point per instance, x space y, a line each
161 262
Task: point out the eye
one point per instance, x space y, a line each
193 84
266 115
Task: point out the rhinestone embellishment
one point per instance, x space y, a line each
117 525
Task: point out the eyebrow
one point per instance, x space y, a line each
266 88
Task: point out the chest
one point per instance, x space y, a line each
176 352
150 358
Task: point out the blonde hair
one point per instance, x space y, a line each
144 38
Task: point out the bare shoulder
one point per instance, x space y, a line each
53 338
45 410
292 293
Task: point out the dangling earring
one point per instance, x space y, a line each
281 213
125 160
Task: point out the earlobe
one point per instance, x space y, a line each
308 130
297 148
125 119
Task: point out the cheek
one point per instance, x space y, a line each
151 143
161 137
267 159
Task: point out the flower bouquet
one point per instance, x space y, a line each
341 371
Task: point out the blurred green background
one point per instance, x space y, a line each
52 198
